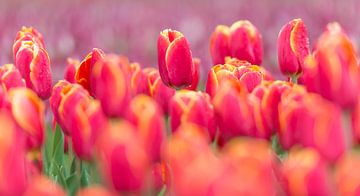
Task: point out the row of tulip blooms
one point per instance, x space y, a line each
150 131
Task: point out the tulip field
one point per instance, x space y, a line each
111 126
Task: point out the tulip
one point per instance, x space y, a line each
13 179
196 75
58 92
233 111
293 47
29 113
306 173
10 77
312 121
220 44
27 34
175 59
250 159
147 116
242 40
347 177
153 86
248 75
186 152
84 70
110 86
246 42
193 107
33 63
332 70
42 186
95 190
122 159
238 63
70 70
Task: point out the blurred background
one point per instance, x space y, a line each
71 28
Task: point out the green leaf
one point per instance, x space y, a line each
73 183
58 146
73 166
85 177
163 191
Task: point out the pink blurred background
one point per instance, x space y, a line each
71 28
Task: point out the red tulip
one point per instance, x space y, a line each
333 71
242 40
293 47
122 159
10 77
27 34
70 70
175 59
42 186
306 173
312 121
33 63
84 70
12 156
29 113
110 85
347 176
233 111
194 107
247 165
147 116
153 86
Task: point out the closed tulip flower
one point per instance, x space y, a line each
306 173
13 179
192 107
174 59
293 47
70 70
10 77
122 159
312 121
332 70
147 116
110 85
242 40
29 113
33 63
27 34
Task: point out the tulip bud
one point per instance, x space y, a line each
242 40
12 156
84 70
332 70
27 34
220 44
186 152
147 116
175 59
312 121
122 159
33 63
28 111
192 107
196 75
246 42
42 186
233 111
153 86
293 47
250 159
95 190
110 85
10 77
305 173
70 70
347 176
248 75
